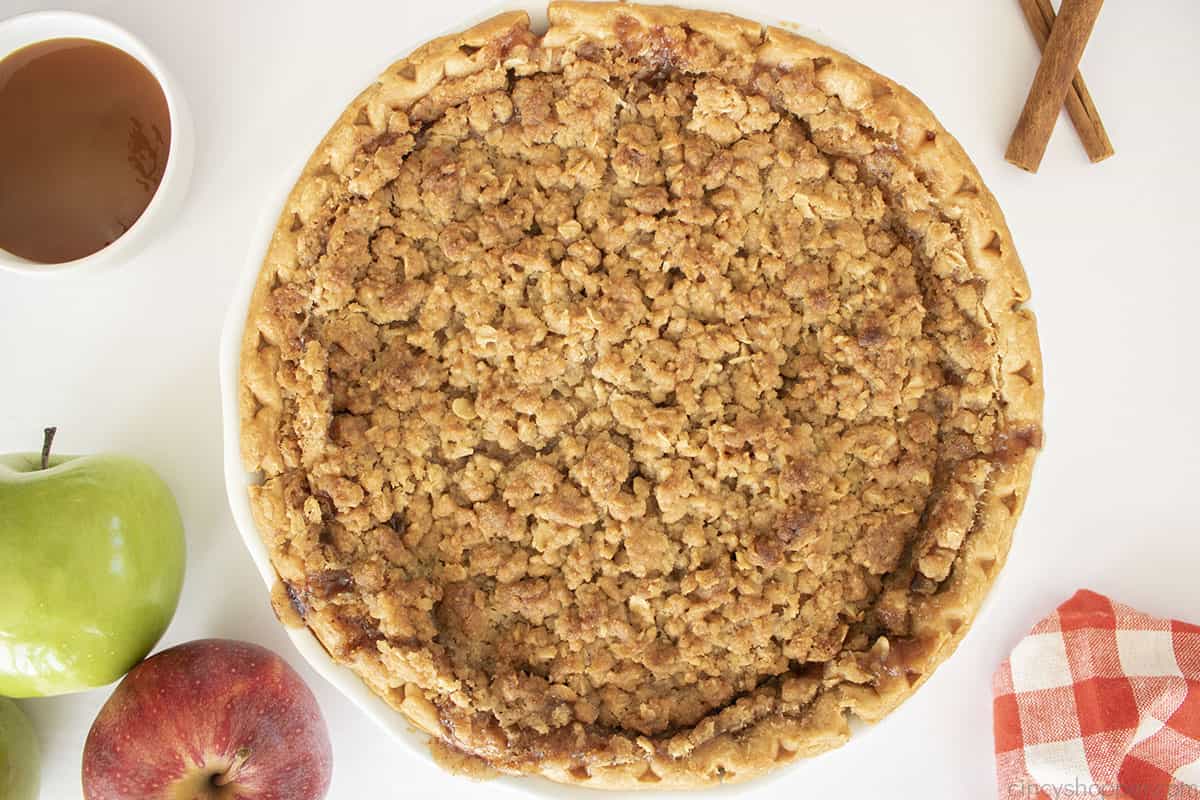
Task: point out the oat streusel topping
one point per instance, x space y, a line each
611 400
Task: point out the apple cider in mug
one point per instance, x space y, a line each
83 147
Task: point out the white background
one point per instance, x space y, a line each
127 360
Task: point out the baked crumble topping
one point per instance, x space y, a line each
624 395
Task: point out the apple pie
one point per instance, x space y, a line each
637 401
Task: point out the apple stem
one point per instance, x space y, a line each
230 773
47 440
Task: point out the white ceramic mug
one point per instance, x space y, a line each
21 31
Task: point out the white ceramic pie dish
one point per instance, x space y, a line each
238 481
26 29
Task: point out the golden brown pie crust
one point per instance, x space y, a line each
636 402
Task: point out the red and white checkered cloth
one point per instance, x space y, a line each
1100 700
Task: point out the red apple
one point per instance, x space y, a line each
209 720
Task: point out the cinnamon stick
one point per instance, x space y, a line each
1060 62
1082 111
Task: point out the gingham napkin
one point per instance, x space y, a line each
1100 700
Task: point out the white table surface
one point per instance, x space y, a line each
127 361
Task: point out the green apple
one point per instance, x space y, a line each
91 565
18 754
